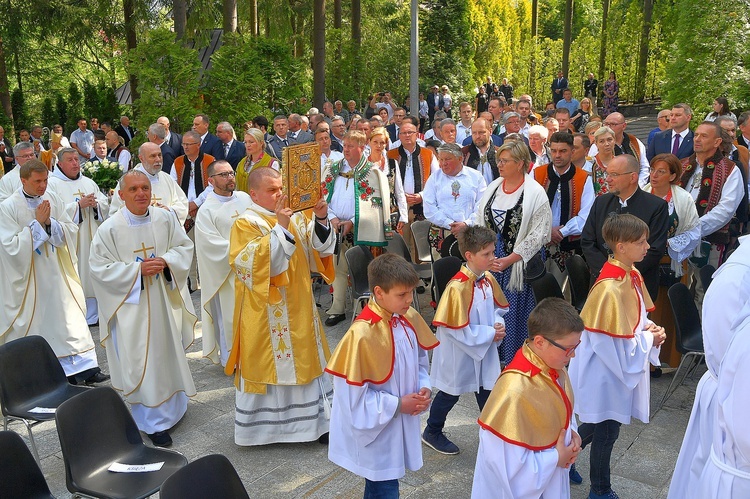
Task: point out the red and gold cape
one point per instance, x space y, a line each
455 303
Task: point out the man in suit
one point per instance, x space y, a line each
210 143
743 123
625 196
295 129
281 139
6 153
174 139
434 102
124 130
231 151
398 116
558 85
157 134
679 139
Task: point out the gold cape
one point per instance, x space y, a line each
261 316
613 306
527 407
455 303
366 353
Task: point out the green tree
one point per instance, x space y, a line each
75 107
61 112
20 112
48 112
446 52
90 100
168 76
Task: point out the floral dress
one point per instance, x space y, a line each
611 100
504 213
599 173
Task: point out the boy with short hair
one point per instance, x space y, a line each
470 327
527 437
610 373
381 382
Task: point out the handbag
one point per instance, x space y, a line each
535 267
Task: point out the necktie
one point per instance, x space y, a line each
284 141
676 145
226 150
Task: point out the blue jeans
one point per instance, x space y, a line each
443 403
602 437
387 489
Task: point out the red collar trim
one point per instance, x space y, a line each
522 364
369 315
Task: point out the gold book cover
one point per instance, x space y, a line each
301 175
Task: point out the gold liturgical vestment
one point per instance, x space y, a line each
366 353
528 406
278 335
613 306
455 303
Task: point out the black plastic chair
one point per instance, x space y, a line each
688 333
209 476
97 430
358 258
398 246
443 271
20 476
707 275
32 377
579 277
546 287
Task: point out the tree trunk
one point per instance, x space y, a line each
319 53
268 20
640 76
534 17
299 46
356 40
603 37
5 92
567 37
534 32
229 12
254 28
131 42
179 11
337 13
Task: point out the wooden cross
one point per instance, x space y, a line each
236 214
154 199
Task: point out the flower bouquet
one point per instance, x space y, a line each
104 173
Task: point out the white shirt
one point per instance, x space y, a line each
326 160
484 166
191 186
342 200
452 199
409 173
731 195
574 226
462 132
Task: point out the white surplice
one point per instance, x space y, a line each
41 291
147 323
212 227
70 191
10 183
164 190
466 358
610 375
368 436
722 307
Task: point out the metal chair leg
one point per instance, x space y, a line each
669 391
33 443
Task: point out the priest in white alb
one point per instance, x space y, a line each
87 207
165 192
139 264
280 348
212 226
11 182
41 291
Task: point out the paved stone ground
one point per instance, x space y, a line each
642 462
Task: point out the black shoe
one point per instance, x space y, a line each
161 438
420 290
323 439
574 476
656 373
99 377
332 320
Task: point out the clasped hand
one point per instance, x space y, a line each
152 266
42 213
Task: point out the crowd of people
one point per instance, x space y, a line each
511 192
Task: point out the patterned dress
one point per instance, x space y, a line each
504 214
599 173
611 100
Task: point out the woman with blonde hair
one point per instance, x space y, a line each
604 139
378 143
516 208
255 146
582 116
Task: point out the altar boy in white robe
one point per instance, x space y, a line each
41 291
527 435
381 385
213 225
165 192
87 207
610 374
139 265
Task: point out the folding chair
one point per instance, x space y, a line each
209 476
20 476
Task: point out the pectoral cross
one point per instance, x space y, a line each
154 199
143 249
79 194
236 214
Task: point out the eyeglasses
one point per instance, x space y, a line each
190 144
658 173
568 350
25 156
501 161
615 174
613 124
223 174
